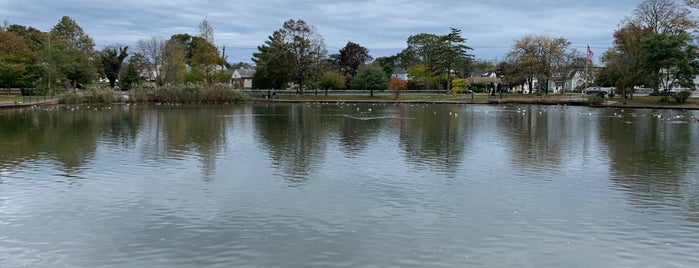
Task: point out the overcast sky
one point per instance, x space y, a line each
382 26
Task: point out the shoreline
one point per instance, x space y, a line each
608 104
531 101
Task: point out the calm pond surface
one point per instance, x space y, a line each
348 185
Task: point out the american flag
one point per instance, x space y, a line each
589 54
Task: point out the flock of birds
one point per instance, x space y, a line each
522 110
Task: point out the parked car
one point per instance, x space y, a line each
596 91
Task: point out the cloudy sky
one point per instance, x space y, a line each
382 26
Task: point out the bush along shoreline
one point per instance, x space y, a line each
171 94
224 94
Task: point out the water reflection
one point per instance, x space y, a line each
67 135
437 137
653 154
194 131
421 184
539 136
295 137
359 125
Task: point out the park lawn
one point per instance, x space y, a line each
10 99
656 100
384 97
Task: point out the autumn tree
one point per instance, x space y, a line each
624 62
112 57
397 85
351 57
174 68
15 60
537 57
652 47
34 38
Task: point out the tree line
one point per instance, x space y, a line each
296 55
65 58
654 47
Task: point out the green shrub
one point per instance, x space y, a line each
93 95
478 87
682 96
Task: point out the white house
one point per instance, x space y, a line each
400 73
574 80
242 77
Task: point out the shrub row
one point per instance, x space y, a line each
183 94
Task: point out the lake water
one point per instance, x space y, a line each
348 185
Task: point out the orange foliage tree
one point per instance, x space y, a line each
396 85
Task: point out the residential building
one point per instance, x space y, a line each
401 73
242 77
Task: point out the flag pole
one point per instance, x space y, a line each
587 64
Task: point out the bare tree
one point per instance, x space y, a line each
663 16
153 49
206 31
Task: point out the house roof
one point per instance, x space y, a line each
484 80
399 70
244 72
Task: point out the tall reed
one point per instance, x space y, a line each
188 94
179 94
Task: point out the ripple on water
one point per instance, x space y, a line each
390 198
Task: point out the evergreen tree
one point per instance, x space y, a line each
112 59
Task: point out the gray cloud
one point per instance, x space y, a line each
380 25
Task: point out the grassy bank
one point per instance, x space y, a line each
184 94
10 98
198 94
563 99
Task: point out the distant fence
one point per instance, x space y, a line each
11 91
28 95
35 98
287 92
